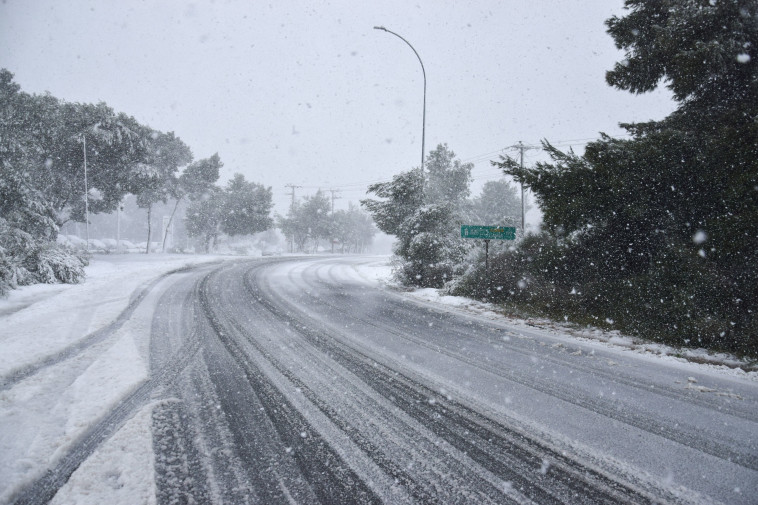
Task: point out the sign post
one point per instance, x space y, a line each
487 233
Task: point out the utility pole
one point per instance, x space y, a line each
292 208
521 147
333 191
292 187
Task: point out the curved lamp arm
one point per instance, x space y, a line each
423 71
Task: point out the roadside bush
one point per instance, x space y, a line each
431 260
25 261
50 263
672 299
513 274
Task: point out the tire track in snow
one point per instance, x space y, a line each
330 478
42 489
97 336
420 492
508 454
684 433
177 463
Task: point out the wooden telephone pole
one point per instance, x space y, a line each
522 147
292 208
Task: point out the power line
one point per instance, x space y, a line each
477 158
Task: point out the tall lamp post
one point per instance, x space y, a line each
86 189
423 123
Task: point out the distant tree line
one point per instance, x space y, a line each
312 222
240 208
655 235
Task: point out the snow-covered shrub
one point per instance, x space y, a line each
25 260
425 214
109 243
7 274
49 263
510 277
77 242
431 260
96 245
13 243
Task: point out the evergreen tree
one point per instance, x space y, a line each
659 230
316 210
28 228
308 220
204 217
704 50
295 228
194 182
353 228
241 208
401 197
498 204
115 146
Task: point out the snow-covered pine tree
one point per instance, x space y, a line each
658 232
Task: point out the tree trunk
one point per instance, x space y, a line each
168 226
149 227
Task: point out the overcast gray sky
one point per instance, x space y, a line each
308 93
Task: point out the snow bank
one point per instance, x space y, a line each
379 271
43 415
39 321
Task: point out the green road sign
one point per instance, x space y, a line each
488 232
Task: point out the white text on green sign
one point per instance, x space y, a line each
488 232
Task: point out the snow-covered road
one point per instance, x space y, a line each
306 380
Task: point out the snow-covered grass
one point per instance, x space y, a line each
42 319
42 415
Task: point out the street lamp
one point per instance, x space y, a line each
86 189
423 124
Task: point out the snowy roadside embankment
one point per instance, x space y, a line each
695 358
44 413
380 271
41 320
